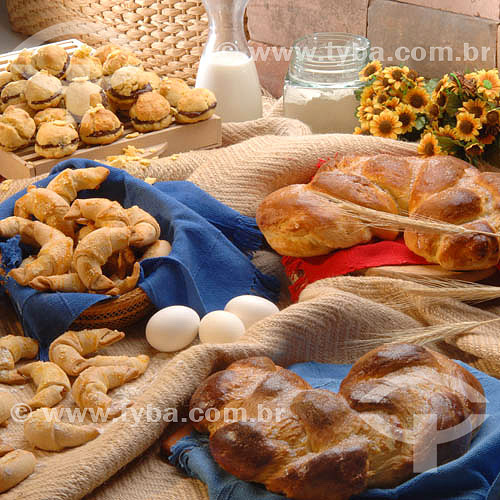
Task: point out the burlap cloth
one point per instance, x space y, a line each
329 324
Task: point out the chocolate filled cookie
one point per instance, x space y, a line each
81 95
53 59
5 78
195 106
43 91
83 64
150 112
56 139
17 128
100 126
173 89
13 93
25 107
126 85
22 66
54 115
118 59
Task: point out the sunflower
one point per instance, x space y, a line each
392 103
417 98
493 117
446 131
407 117
363 130
386 125
395 75
474 149
433 111
477 107
367 95
381 84
429 146
467 126
442 99
487 135
442 84
372 68
488 83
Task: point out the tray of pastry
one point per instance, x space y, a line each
67 100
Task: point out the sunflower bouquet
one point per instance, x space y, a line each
393 102
465 117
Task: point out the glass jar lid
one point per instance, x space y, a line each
328 60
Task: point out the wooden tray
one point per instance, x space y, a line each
174 139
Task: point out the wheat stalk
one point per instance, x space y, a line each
398 222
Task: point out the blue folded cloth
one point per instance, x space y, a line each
474 476
209 263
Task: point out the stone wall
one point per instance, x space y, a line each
437 28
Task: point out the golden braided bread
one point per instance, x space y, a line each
314 444
298 223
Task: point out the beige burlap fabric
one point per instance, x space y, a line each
336 320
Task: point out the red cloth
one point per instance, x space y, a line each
303 272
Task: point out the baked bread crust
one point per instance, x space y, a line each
14 93
100 126
173 89
52 58
441 188
56 139
150 112
196 105
53 115
43 91
320 445
83 64
17 128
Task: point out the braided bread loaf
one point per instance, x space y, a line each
318 445
298 223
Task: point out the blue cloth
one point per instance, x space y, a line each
209 263
474 476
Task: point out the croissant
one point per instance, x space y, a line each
47 206
51 383
15 467
69 182
11 377
93 252
132 361
129 283
56 249
145 228
313 444
13 348
68 349
85 230
91 387
43 429
99 211
70 283
120 264
7 401
160 248
296 222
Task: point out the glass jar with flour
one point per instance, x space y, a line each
322 78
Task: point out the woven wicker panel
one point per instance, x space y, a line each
116 313
167 34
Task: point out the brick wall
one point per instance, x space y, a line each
388 24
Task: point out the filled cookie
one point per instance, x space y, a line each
196 105
81 95
103 51
13 93
43 91
100 126
117 59
56 139
5 78
154 80
17 128
83 64
22 66
54 115
126 85
25 107
150 112
173 89
53 59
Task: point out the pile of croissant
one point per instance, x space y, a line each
86 245
93 378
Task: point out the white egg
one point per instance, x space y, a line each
250 308
221 327
172 328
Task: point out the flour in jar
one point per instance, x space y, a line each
326 110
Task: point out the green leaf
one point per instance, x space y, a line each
487 84
454 102
431 84
420 122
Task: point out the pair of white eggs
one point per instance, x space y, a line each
175 327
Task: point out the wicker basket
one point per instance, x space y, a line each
167 34
116 313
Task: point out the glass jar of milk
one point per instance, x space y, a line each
322 78
226 66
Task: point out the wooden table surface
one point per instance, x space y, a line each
9 322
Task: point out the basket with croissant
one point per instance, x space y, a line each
91 245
